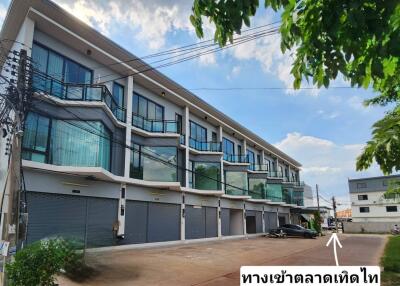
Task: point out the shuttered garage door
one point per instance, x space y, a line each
68 216
151 222
270 220
55 215
102 214
163 222
200 222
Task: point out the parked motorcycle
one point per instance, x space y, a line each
276 233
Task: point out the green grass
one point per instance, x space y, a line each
391 262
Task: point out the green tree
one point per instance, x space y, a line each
359 39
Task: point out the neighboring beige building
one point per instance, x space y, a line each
344 213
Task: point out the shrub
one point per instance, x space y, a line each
317 222
40 262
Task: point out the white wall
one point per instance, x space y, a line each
377 208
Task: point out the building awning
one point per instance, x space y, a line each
307 217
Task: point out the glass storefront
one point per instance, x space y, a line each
257 188
236 183
205 176
66 142
154 163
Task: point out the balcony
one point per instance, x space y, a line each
239 159
275 174
205 146
78 92
273 198
238 192
154 126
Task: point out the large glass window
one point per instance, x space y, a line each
198 132
36 135
146 108
60 68
66 143
236 183
252 159
77 143
274 192
206 176
228 148
154 163
118 93
257 188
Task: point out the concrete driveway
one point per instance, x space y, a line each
218 262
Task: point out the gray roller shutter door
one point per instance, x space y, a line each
135 222
163 222
52 215
200 222
225 221
211 222
259 227
195 222
270 220
102 214
71 217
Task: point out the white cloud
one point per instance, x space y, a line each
325 163
357 103
149 21
327 115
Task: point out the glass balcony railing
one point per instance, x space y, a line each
257 194
236 158
80 92
154 126
275 174
205 146
182 139
273 198
237 192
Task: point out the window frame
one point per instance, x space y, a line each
64 58
136 112
197 126
362 197
365 209
392 211
123 93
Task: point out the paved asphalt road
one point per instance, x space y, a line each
218 263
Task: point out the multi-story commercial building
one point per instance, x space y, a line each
114 152
369 202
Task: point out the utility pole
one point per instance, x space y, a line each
316 188
334 213
12 206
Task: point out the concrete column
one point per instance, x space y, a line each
24 39
220 135
276 164
244 147
277 217
263 220
262 157
121 211
183 217
128 137
244 219
219 224
186 132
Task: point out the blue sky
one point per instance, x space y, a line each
323 129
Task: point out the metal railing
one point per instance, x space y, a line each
237 192
182 139
273 198
236 158
205 146
275 174
155 126
79 92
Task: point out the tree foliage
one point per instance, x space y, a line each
38 263
359 39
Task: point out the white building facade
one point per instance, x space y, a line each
116 153
369 202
